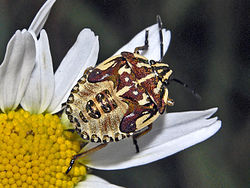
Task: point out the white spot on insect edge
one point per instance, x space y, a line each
120 137
107 139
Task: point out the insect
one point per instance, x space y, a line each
119 98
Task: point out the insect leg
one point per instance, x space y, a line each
136 136
145 46
158 18
136 145
79 155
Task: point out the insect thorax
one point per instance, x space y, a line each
119 97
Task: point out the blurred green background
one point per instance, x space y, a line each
209 50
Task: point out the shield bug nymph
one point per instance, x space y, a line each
119 98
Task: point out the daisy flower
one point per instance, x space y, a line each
34 148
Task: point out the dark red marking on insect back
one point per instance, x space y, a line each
141 71
111 73
135 93
150 84
126 79
128 123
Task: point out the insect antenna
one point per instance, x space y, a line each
186 86
158 19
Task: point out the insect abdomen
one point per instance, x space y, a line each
97 112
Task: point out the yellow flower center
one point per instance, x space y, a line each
35 150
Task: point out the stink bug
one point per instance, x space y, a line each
119 98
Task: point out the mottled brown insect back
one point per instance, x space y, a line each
118 98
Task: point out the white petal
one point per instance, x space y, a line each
83 54
93 181
153 51
47 73
16 69
41 86
41 17
171 133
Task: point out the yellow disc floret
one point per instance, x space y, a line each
34 150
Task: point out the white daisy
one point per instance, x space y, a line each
34 148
